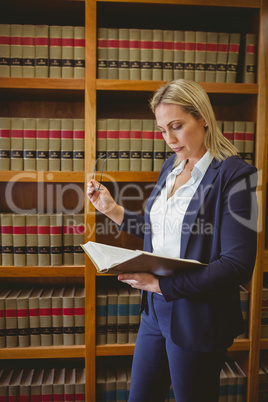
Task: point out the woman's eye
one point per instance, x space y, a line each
176 127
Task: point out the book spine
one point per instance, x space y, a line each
41 51
102 53
66 144
179 49
68 316
67 52
239 137
157 55
200 56
68 221
232 60
31 240
189 55
228 130
249 76
147 145
5 143
55 239
69 388
222 55
123 54
79 316
249 142
55 57
135 144
16 144
57 316
112 300
101 317
23 318
54 144
28 51
122 316
80 385
11 319
19 239
101 141
113 58
78 238
42 142
3 295
4 50
134 54
34 318
211 56
7 239
29 144
134 314
168 55
124 145
78 145
146 53
112 163
79 52
16 50
45 311
159 149
43 240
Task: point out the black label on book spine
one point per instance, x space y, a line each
232 67
4 154
189 66
41 62
135 154
210 67
55 62
66 154
28 62
168 66
68 249
123 64
29 154
46 330
78 249
147 155
16 154
113 154
200 66
113 63
221 67
56 250
31 250
44 250
146 65
102 64
78 155
179 66
67 63
157 65
42 154
19 250
57 330
123 154
79 63
79 330
4 61
16 61
134 64
251 68
159 155
7 249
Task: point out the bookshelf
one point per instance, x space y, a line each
92 98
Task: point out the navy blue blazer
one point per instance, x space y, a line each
219 229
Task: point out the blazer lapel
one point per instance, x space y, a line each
196 203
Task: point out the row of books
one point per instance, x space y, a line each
264 313
42 144
117 315
155 54
263 381
42 51
138 145
42 317
113 384
42 239
42 384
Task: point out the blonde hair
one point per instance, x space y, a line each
194 100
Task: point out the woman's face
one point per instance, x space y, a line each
182 132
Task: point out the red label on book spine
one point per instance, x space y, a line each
79 134
29 133
4 133
54 133
68 134
19 230
17 133
42 133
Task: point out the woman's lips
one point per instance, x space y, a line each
178 149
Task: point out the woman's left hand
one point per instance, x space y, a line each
142 281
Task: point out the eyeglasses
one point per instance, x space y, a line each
95 168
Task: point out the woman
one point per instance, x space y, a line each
203 207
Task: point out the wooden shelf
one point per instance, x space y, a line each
43 83
264 343
240 345
42 176
44 352
76 271
265 261
216 3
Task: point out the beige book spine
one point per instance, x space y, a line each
211 56
41 51
19 239
80 384
25 384
5 143
68 316
101 141
29 144
7 239
34 317
36 384
14 385
134 314
222 55
16 50
58 384
78 145
79 52
78 238
66 144
112 164
79 316
135 144
23 318
67 52
147 145
233 54
57 316
4 50
11 319
16 144
159 149
42 141
146 52
54 145
45 308
249 142
112 301
55 56
228 130
134 54
68 222
157 55
102 53
101 317
179 48
200 55
43 240
168 55
239 137
124 144
47 384
55 239
69 389
3 294
249 73
123 54
113 58
28 51
189 55
122 315
31 240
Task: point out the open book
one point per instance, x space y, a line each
116 260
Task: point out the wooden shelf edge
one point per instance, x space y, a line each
42 83
214 3
41 176
76 271
44 352
240 345
115 350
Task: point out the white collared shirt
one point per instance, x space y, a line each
166 215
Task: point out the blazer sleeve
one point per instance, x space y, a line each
133 223
234 244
